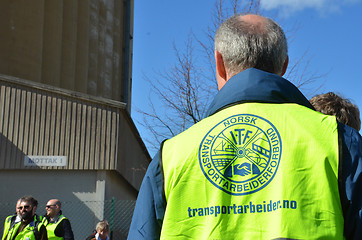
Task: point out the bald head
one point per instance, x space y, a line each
255 22
252 18
55 202
53 208
251 41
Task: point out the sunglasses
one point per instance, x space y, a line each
49 206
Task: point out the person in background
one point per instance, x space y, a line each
263 164
31 226
11 220
57 225
333 104
102 231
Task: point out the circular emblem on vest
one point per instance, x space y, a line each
240 155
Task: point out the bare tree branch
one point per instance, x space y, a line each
185 90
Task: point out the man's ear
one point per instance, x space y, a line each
285 66
221 75
34 209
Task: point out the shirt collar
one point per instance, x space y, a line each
98 238
56 217
253 85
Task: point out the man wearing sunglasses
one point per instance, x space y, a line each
58 226
31 226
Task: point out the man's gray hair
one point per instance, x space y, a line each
244 45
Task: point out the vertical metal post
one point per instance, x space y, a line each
112 219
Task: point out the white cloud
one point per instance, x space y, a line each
294 4
290 6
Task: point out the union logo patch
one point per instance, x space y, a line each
240 155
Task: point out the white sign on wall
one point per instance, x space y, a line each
45 161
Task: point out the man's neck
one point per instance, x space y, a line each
27 221
56 216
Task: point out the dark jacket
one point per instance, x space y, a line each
64 229
253 85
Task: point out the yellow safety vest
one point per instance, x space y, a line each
254 171
28 232
52 226
7 225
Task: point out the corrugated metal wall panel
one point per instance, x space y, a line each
37 122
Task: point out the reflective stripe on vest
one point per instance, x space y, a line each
51 228
7 224
254 171
28 231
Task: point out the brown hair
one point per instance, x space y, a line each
333 104
29 199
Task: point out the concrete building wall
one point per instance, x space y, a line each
70 187
84 194
65 90
79 45
116 187
43 185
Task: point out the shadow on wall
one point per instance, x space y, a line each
11 157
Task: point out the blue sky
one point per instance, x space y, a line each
330 30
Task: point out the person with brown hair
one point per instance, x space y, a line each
31 226
333 104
